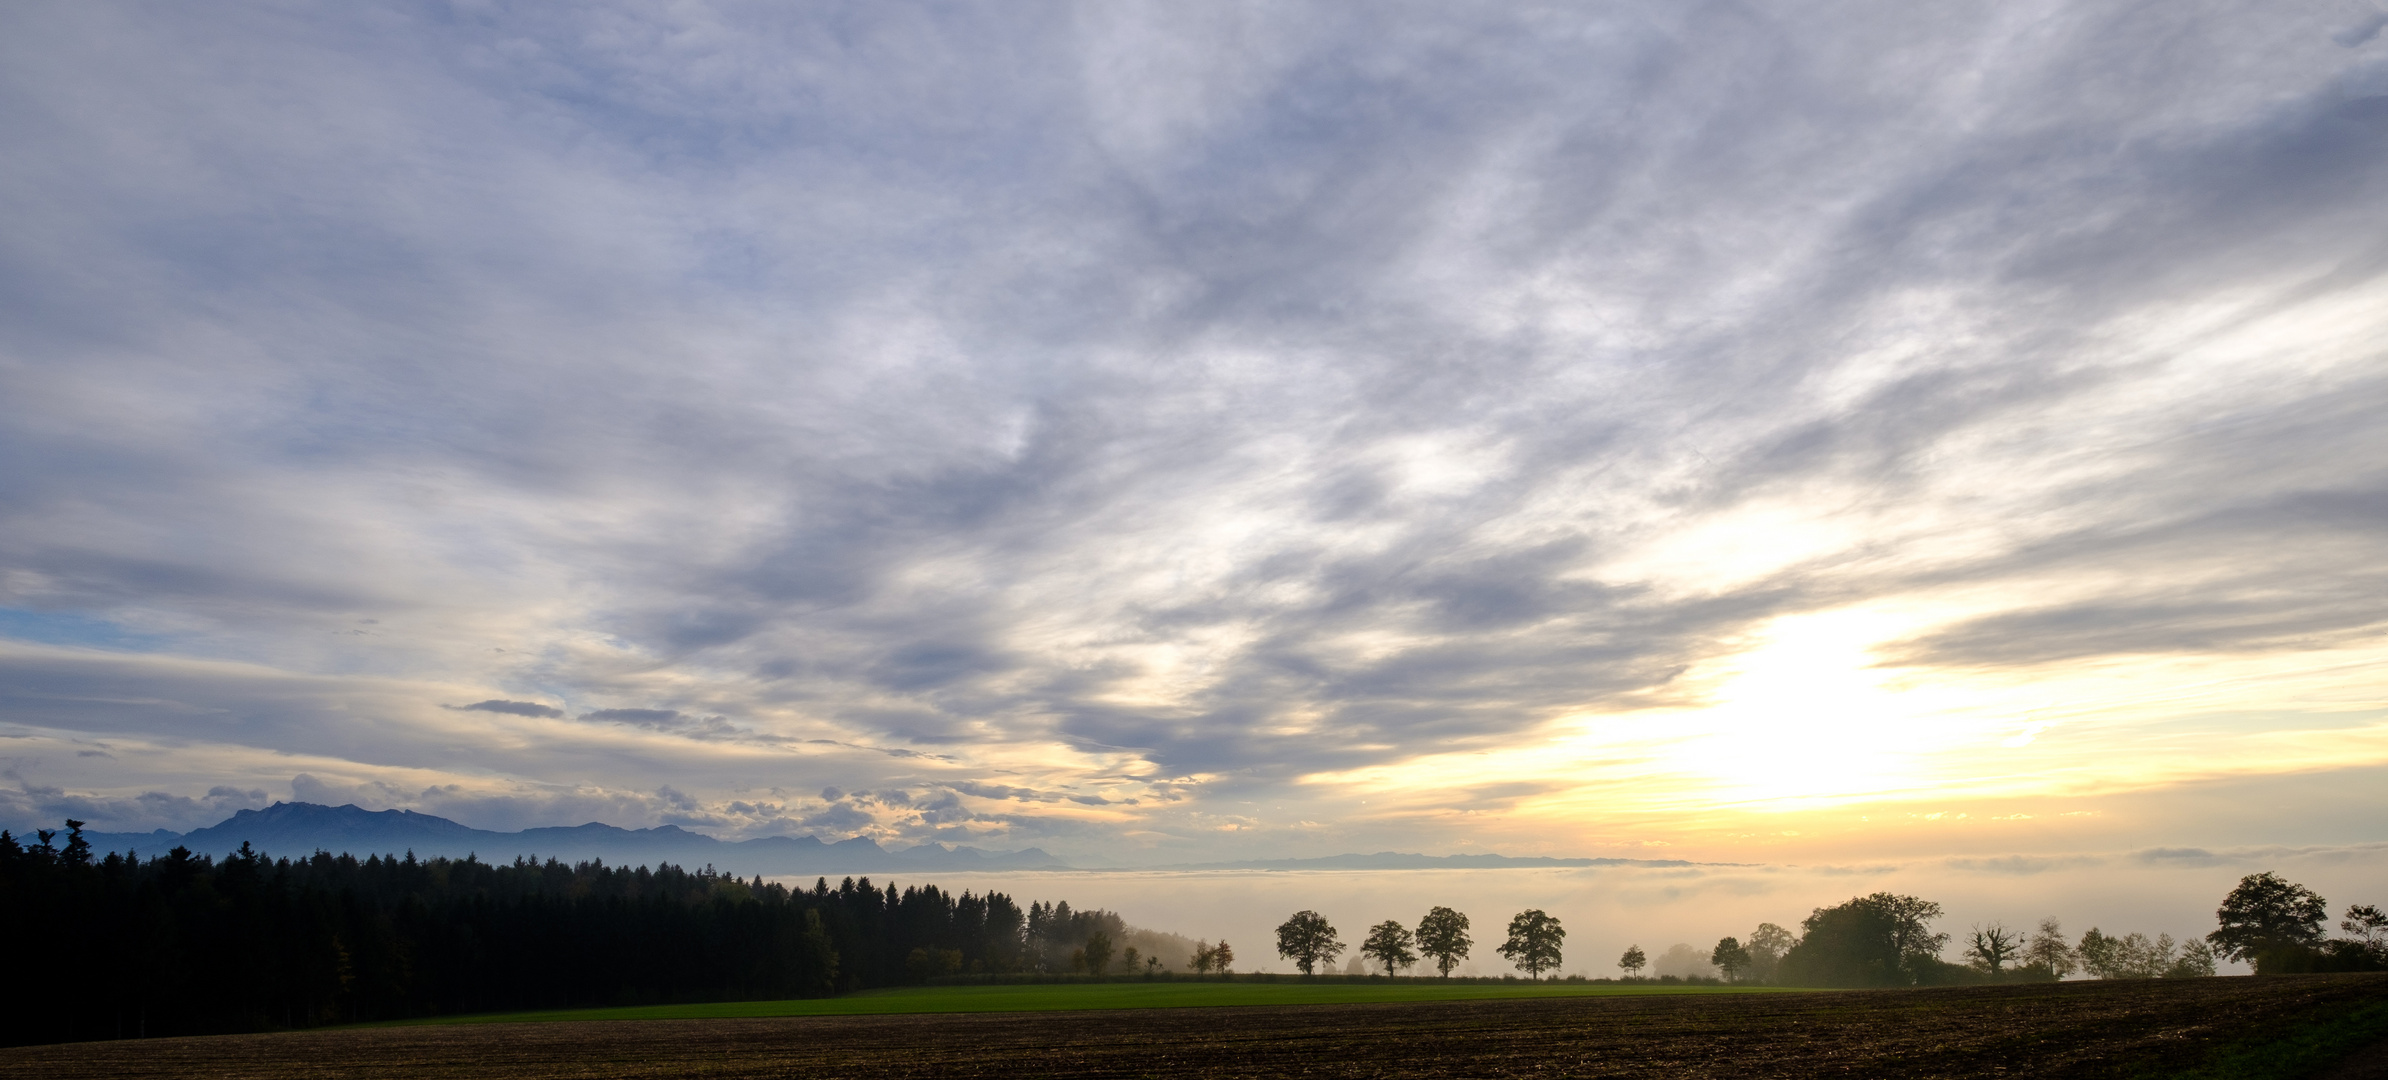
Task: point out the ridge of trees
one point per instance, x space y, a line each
185 944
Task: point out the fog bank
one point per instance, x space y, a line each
1606 909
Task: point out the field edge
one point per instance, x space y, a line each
1097 997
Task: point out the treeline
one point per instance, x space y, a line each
2273 925
1887 939
116 947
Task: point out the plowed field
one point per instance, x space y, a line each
2071 1030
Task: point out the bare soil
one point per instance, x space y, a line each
2103 1029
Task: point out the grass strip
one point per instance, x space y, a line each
2301 1050
1052 998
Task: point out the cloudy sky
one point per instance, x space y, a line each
1169 431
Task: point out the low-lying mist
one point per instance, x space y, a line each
1605 909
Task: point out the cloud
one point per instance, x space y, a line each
840 817
640 717
2360 32
30 806
511 708
1011 405
2024 865
2258 856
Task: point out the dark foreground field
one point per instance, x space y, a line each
2217 1027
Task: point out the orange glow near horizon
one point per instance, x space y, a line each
1801 729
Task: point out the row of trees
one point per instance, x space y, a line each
1887 940
1535 937
185 944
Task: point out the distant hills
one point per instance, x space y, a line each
299 829
1395 860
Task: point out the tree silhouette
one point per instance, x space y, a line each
1307 939
1878 940
1443 935
78 850
2267 920
2367 925
1633 962
2135 956
1766 946
1992 946
2046 954
1911 924
1533 943
185 944
1389 944
1730 956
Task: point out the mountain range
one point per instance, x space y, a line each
1398 860
298 829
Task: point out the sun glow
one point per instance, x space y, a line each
1801 713
1806 713
1803 717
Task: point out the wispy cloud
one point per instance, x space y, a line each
510 708
1071 412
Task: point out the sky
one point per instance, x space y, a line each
1810 434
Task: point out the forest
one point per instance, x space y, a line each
184 944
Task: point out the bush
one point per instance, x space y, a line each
2330 956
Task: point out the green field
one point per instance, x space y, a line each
1051 997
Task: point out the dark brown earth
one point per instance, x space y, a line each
2070 1030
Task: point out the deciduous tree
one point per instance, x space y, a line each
1911 924
1730 957
1443 935
2047 954
1389 944
1308 939
1879 940
1633 961
1534 939
2367 925
2136 956
1992 946
2196 961
2266 920
1767 945
1098 952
